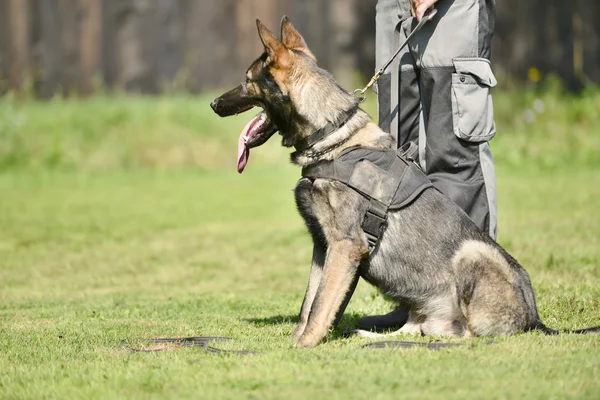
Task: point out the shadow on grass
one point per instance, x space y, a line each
348 321
274 320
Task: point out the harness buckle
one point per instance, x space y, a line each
371 240
374 223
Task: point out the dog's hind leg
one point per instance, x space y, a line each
380 323
444 327
438 316
341 265
443 315
314 280
411 327
431 326
495 297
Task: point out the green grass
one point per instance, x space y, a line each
124 218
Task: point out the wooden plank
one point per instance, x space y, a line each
196 49
564 63
248 46
18 42
90 42
589 10
169 46
35 46
343 47
318 33
51 47
128 58
108 57
299 17
362 43
148 31
4 47
69 16
130 67
210 41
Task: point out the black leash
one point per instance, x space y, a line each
434 345
397 344
204 341
188 342
361 94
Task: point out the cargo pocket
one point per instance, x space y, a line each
472 109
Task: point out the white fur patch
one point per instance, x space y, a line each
477 251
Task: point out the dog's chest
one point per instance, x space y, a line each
331 210
386 179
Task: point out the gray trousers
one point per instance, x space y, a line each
437 94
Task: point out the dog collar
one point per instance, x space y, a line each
319 135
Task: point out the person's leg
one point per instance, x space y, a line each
399 105
452 53
398 95
452 75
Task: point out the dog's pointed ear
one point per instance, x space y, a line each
276 50
292 39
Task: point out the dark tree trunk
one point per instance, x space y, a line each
90 42
18 22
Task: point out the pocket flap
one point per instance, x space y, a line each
478 67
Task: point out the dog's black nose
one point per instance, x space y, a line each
213 104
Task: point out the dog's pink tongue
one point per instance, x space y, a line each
243 150
243 153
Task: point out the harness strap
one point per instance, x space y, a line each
336 170
369 180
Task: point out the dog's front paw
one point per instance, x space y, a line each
307 343
309 340
299 330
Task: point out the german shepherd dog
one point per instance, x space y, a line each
451 276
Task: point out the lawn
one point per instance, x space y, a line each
123 218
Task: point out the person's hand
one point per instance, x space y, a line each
419 7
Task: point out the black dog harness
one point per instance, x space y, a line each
389 179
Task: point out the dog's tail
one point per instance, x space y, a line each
549 331
594 330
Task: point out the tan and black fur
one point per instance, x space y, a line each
454 279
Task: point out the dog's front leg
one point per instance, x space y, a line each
316 271
341 266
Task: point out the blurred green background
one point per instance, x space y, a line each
544 128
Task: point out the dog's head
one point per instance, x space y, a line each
286 83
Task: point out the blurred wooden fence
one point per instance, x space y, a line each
66 46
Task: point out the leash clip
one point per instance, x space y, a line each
361 94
